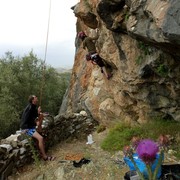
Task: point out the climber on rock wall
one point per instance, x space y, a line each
93 56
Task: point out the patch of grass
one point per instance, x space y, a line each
127 16
159 126
145 50
34 153
144 47
121 134
177 153
162 70
139 60
101 128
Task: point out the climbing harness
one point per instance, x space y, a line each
45 54
94 56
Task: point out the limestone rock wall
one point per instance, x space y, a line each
140 40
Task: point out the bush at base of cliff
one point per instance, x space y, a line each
122 133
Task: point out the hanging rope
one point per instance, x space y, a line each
45 54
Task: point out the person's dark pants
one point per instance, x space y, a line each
98 60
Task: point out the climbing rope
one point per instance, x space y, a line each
45 55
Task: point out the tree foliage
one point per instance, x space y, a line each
21 77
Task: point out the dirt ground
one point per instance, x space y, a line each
102 165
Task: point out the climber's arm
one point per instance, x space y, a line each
93 62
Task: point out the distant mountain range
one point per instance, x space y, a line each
64 70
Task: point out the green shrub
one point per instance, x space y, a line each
144 47
145 50
101 128
139 60
159 126
162 70
121 134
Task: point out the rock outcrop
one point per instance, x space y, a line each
140 40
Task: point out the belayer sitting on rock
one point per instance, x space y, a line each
30 118
92 55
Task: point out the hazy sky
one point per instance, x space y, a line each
24 26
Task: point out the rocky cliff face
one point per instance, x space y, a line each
140 40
